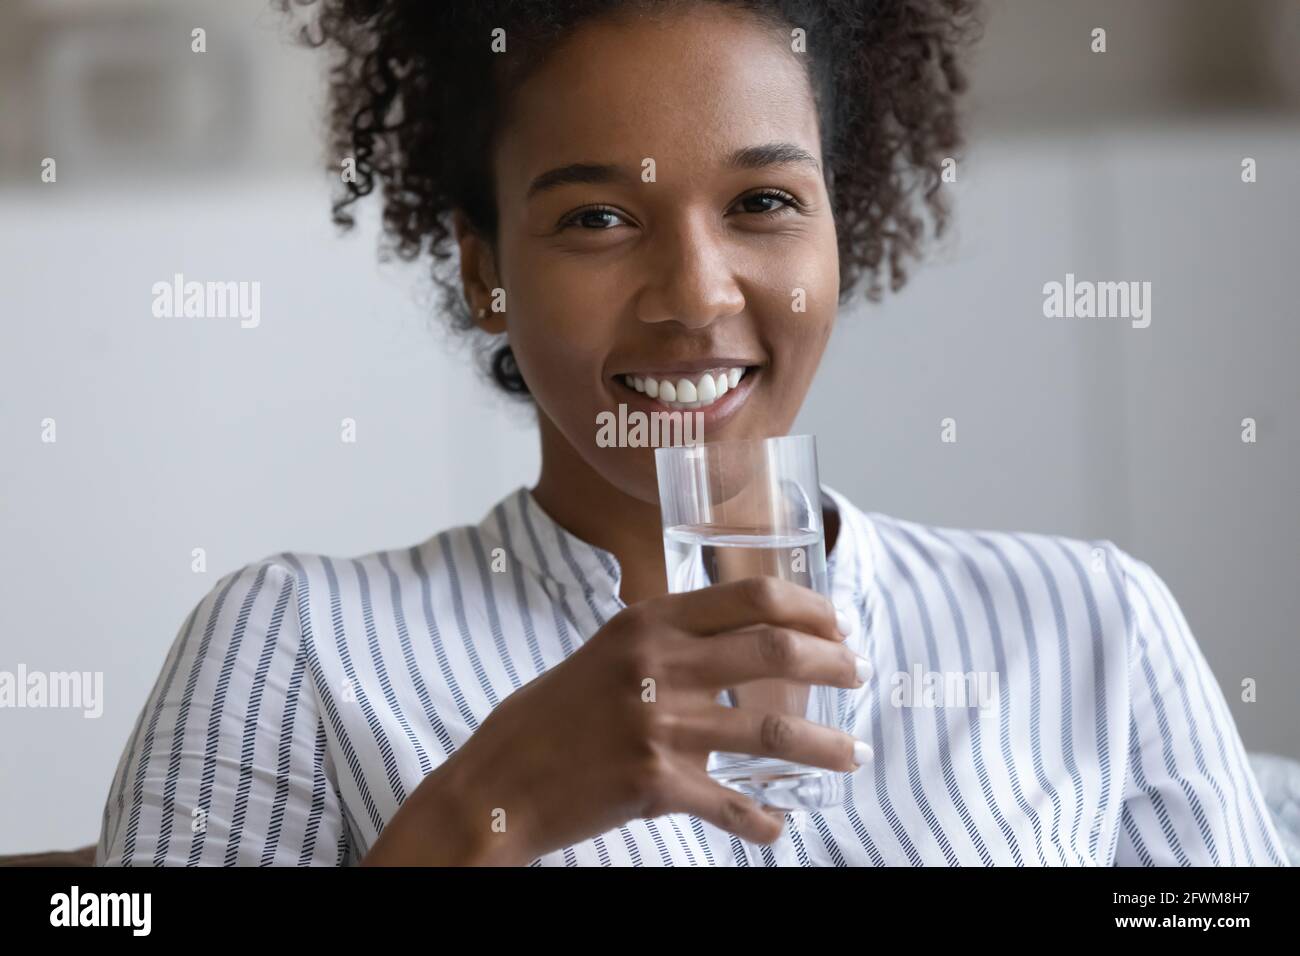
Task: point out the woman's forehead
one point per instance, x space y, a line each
609 96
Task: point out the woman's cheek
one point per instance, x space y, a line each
561 365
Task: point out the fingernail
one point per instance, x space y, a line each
863 668
862 752
843 622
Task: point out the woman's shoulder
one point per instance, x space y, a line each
900 536
321 579
1067 575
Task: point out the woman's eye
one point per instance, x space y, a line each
769 202
593 217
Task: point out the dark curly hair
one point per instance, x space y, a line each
416 94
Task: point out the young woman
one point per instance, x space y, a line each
637 192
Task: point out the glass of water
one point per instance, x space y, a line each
737 509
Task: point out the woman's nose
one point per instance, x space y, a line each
692 277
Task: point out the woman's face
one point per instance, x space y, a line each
663 215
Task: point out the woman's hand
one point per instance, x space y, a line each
623 728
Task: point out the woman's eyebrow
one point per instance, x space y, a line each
588 173
747 157
772 154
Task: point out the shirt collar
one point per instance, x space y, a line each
854 564
555 555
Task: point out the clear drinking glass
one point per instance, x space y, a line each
734 510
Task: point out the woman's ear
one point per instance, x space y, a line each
478 276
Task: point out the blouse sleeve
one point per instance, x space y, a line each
1190 797
228 763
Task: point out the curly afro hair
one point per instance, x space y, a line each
411 78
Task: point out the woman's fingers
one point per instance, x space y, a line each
768 734
756 600
725 660
696 792
768 639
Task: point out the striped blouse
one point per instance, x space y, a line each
1037 700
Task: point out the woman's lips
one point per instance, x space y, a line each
713 415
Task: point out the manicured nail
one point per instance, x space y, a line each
862 752
843 622
864 669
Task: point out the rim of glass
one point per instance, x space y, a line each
736 443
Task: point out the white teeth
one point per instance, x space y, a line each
698 392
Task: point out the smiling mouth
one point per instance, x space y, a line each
688 390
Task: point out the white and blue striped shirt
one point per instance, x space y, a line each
305 698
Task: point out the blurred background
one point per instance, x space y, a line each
176 435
